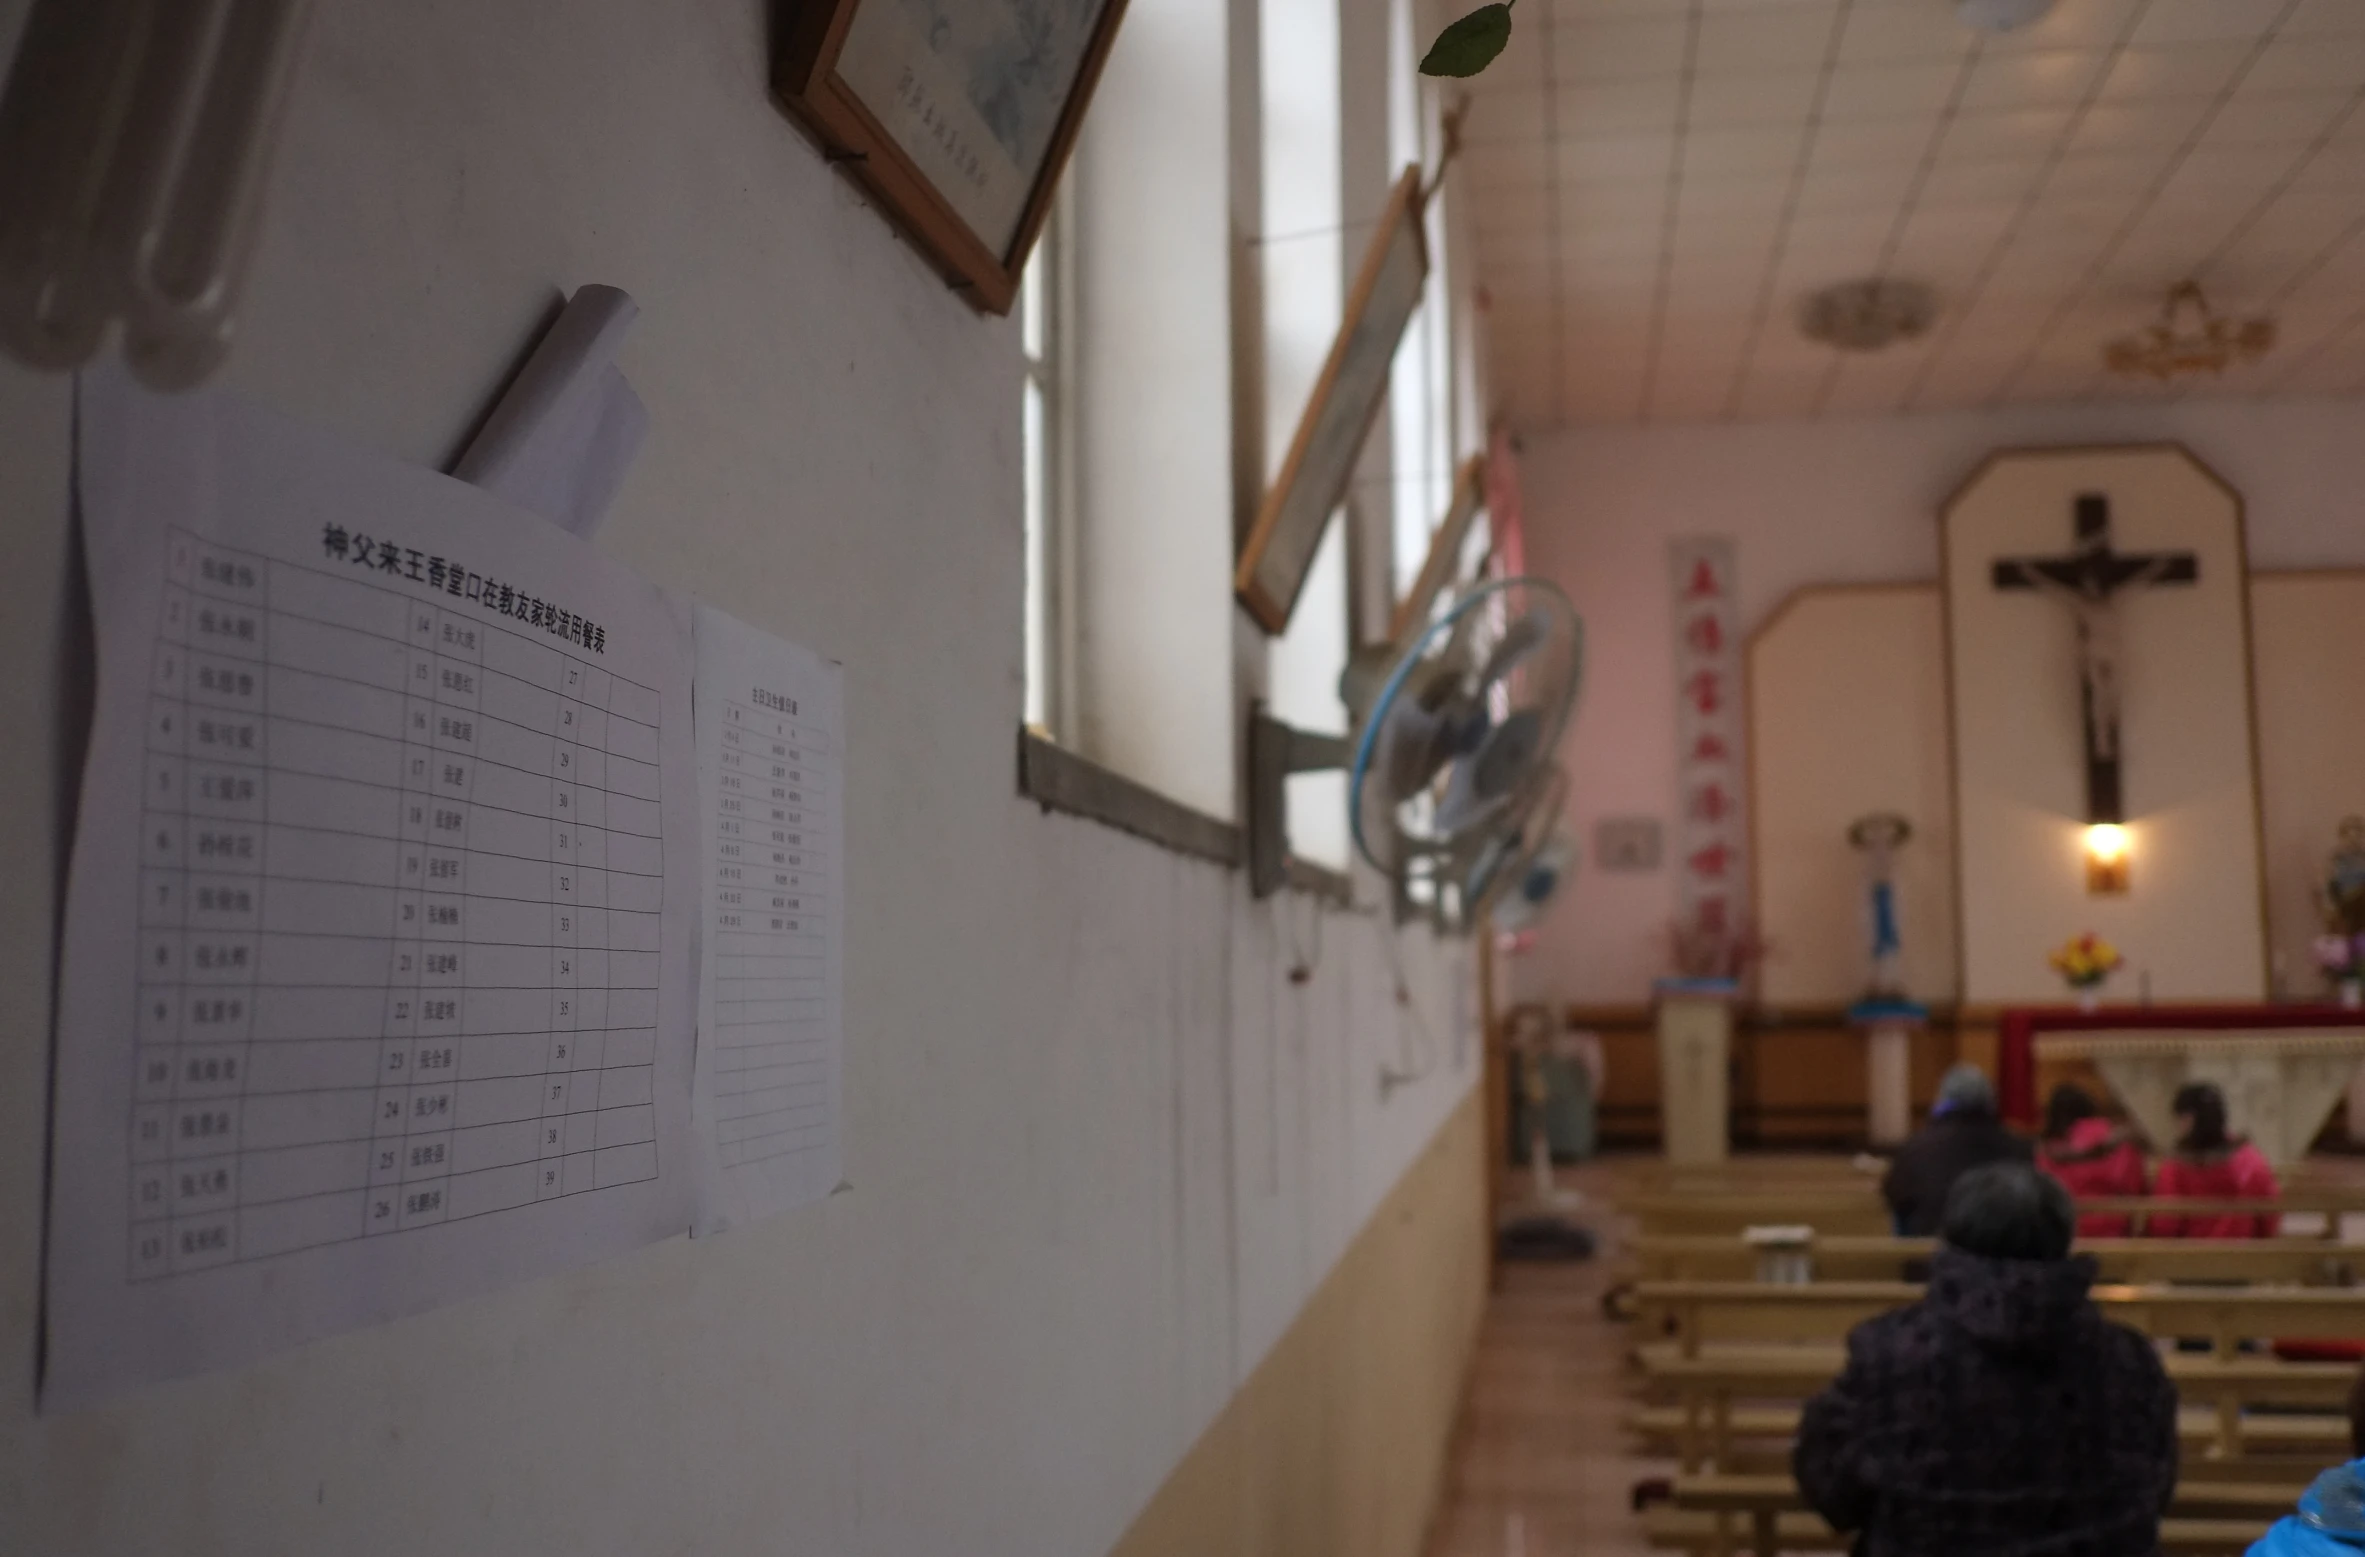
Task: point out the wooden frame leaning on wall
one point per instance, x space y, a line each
959 131
1346 400
1443 566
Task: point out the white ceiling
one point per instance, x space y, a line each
1658 184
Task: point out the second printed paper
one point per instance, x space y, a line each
770 731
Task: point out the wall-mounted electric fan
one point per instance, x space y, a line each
1453 785
1529 889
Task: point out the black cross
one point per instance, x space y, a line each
2093 573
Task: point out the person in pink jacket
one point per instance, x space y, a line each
2092 1157
2208 1164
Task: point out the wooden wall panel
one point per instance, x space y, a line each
1798 1075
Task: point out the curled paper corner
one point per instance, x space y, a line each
567 429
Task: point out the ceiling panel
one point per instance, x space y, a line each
1659 184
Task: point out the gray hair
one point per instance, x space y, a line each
1967 1086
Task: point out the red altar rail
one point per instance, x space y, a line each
2018 1026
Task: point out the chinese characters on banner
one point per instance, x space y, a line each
1709 826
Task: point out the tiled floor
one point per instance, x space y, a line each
1543 1467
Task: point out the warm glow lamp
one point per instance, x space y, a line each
2106 859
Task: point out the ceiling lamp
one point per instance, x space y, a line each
2189 338
1868 315
2000 15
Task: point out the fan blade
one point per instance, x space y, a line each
1411 749
1522 639
1492 774
1503 758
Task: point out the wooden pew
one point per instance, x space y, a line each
1855 1257
1751 1311
1684 1530
2233 1512
1729 1335
1858 1209
2318 1438
1705 1388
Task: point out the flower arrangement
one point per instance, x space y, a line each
2085 961
2340 958
1715 948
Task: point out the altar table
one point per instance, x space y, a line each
2281 1067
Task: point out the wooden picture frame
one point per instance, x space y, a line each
1445 549
956 115
1346 399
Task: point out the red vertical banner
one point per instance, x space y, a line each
1506 512
1710 804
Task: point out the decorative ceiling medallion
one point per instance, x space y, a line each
2000 15
2189 337
1868 315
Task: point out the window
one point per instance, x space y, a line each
1420 387
1128 434
1304 255
1049 579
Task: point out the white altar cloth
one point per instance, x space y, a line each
2279 1086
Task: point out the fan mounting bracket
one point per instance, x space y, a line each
1275 751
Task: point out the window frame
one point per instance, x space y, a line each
1047 450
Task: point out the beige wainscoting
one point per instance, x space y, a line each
1336 1445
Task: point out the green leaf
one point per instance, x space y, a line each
1471 44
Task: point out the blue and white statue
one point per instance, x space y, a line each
1878 837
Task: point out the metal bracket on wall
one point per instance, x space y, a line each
1275 751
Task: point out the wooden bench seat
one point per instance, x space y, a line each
1854 1257
2320 1437
2205 1512
2260 1500
1709 1383
1705 1312
1688 1530
1857 1209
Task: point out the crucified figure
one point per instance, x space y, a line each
2089 579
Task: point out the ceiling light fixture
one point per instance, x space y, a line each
2000 15
2189 337
1868 315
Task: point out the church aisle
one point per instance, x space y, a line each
1543 1466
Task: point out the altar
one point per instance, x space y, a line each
2281 1068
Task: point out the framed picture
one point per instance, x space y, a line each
1626 843
1444 561
1347 397
956 114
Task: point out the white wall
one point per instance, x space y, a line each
1101 1149
1847 716
1853 499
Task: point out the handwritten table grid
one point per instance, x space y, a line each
773 1034
346 1031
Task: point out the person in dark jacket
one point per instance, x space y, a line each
1963 1133
2002 1415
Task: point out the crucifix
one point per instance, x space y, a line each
2089 579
